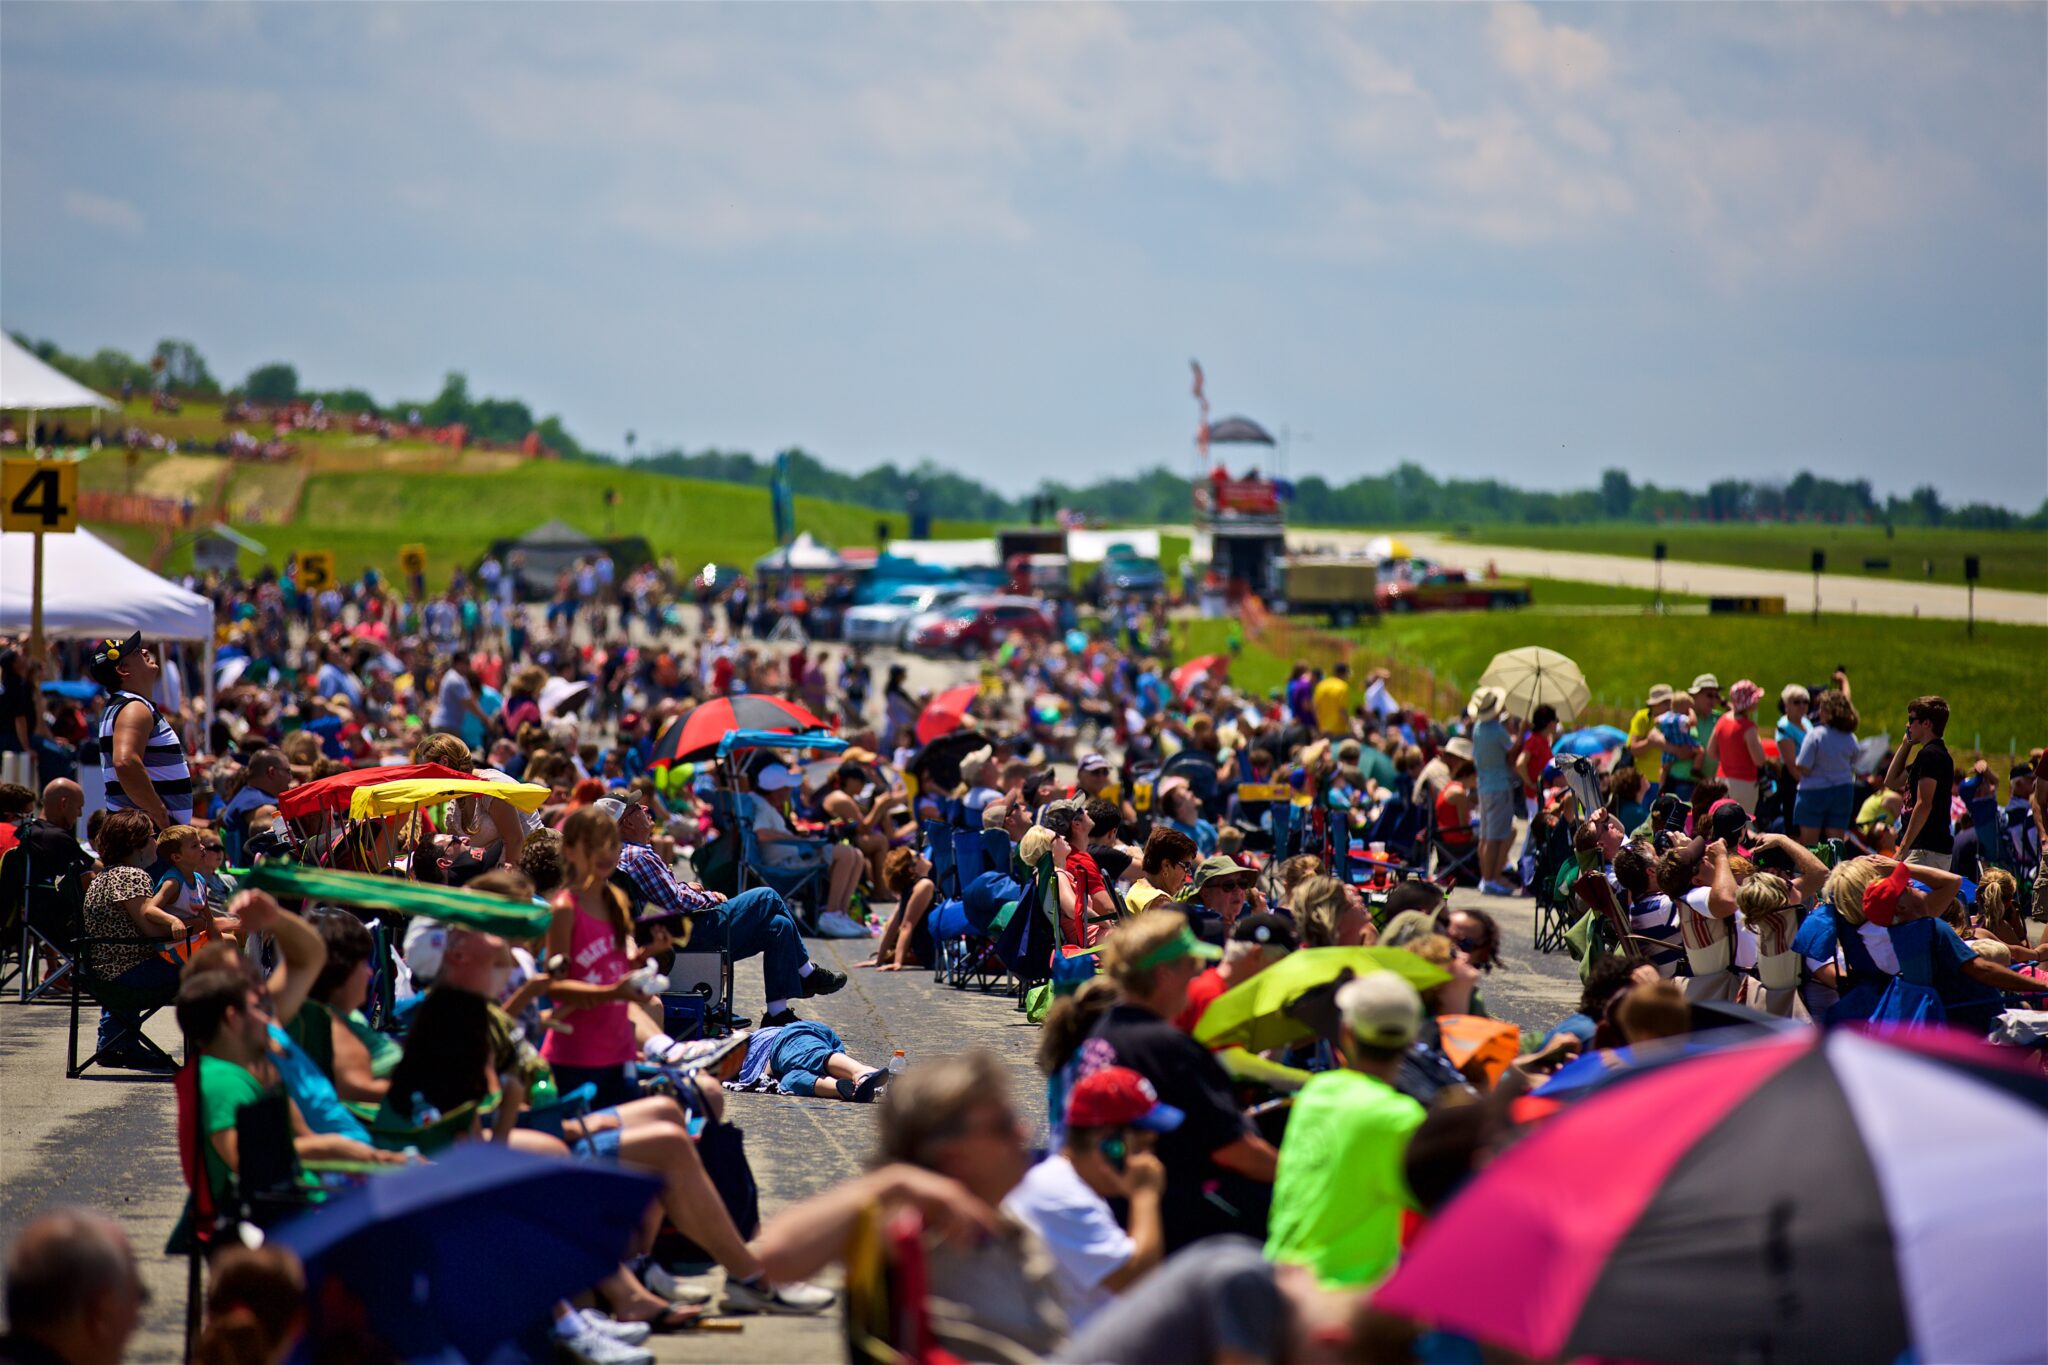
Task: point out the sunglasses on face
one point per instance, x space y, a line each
213 848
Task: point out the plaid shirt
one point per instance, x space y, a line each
658 885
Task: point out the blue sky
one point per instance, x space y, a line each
1691 240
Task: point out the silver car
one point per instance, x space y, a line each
884 622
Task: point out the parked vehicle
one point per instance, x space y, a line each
1126 573
978 625
1346 589
883 623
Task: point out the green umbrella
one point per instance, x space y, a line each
471 909
1254 1015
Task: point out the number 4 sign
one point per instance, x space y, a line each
39 495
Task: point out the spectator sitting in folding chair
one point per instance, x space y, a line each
753 922
784 850
120 905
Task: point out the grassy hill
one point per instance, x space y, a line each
362 499
1987 678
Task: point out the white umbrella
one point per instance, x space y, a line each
1532 676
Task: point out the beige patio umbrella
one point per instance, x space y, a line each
1532 676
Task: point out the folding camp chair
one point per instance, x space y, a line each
699 998
50 911
803 888
970 858
133 1006
1591 890
938 846
1553 909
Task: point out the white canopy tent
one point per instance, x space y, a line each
92 589
27 383
803 555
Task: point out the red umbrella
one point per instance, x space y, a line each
946 712
696 735
1788 1199
1194 671
334 793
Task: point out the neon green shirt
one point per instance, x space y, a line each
1339 1193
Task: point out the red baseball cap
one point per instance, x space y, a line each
1118 1097
1881 899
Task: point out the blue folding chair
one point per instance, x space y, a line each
800 886
938 845
969 860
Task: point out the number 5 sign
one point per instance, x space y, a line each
39 495
316 570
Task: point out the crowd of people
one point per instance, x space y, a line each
1149 841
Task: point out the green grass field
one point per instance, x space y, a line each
1988 679
364 518
2009 559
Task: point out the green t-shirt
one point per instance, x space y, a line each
1339 1194
1375 766
224 1088
384 1050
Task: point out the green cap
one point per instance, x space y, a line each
1216 867
1183 944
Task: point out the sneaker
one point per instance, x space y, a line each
658 1279
628 1333
1498 889
835 924
762 1297
135 1059
580 1340
822 981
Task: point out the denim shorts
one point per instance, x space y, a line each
1825 807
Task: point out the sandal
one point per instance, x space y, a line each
674 1317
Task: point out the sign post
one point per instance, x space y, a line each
1970 568
1820 561
1661 551
40 497
412 561
316 571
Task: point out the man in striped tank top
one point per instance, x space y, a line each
141 757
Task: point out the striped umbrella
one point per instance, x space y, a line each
696 733
1839 1196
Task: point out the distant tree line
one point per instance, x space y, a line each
181 370
1406 494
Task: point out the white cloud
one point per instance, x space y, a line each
104 211
1554 57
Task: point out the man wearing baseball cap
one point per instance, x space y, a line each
1113 1117
1340 1192
1256 942
1217 1166
754 922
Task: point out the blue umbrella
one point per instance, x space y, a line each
78 689
1590 742
1714 1028
469 1252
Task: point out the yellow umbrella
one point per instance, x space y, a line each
1532 676
396 798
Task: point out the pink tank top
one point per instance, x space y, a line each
603 1034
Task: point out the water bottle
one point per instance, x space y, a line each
897 1062
424 1115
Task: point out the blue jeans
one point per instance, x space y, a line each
799 1054
156 973
759 922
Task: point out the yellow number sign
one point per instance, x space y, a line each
413 559
39 495
1264 791
316 570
